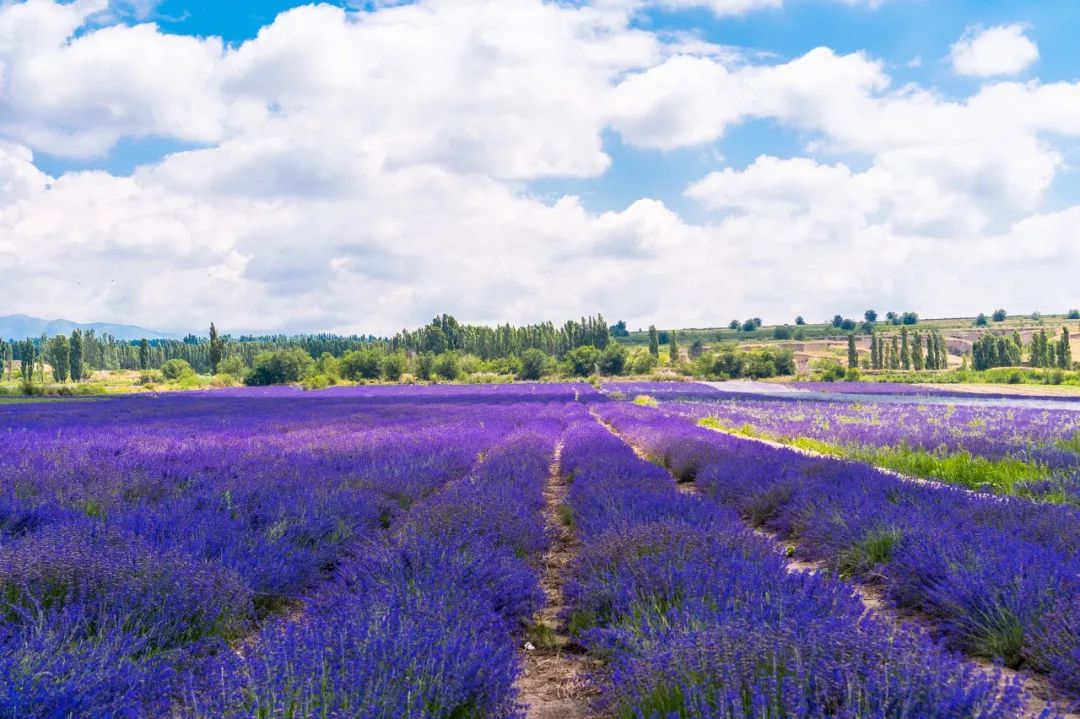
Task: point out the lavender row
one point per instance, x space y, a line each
998 578
699 617
138 536
1038 447
418 624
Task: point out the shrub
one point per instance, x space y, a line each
448 366
361 364
279 367
174 369
612 360
233 365
581 361
394 366
1000 315
533 364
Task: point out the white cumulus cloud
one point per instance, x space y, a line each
1000 50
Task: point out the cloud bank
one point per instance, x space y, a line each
361 171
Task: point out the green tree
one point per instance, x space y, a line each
894 353
534 361
75 353
870 316
1064 350
60 357
1000 315
361 364
26 361
905 349
917 351
290 364
612 360
673 347
800 321
582 361
448 366
144 354
174 369
217 349
394 366
425 366
9 359
981 320
654 342
852 351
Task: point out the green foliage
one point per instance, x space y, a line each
425 366
852 352
361 364
534 364
174 369
612 360
234 366
144 354
75 355
582 361
217 349
448 366
731 362
1000 315
782 332
870 316
394 365
641 362
981 320
60 357
673 347
654 342
1073 315
290 364
870 552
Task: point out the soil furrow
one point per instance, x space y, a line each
554 683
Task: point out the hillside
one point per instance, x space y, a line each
23 326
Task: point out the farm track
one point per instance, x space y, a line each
871 595
555 683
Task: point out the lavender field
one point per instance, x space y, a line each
993 445
532 550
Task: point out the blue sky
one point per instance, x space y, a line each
356 166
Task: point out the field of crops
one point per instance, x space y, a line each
988 444
521 550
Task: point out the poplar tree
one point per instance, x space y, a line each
41 358
905 349
216 349
942 352
852 352
144 354
1064 350
76 355
654 342
26 361
894 353
917 351
9 359
60 357
673 347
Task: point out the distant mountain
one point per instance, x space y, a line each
21 326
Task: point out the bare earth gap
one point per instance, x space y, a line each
554 683
872 596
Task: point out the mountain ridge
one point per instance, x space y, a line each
18 326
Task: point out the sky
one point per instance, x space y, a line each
363 166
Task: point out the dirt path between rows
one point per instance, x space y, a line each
872 596
554 683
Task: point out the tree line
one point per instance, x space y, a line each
904 350
998 350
